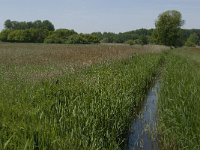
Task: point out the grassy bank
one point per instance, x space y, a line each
88 109
179 101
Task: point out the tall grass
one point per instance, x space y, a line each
40 61
179 104
88 109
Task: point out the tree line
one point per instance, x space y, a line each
167 32
42 32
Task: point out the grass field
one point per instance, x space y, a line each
85 96
180 100
87 107
39 61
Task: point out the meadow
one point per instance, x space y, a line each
85 96
179 100
72 97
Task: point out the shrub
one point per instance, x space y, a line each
59 36
4 35
83 39
130 42
193 40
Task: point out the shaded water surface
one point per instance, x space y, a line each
143 129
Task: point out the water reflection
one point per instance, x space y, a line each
143 128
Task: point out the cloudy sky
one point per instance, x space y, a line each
99 15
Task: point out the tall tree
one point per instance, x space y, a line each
48 25
38 24
168 28
8 24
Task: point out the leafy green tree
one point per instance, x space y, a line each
99 35
28 35
38 24
193 40
130 42
8 24
109 37
83 39
143 40
53 38
4 35
38 35
77 39
168 28
59 36
48 25
19 36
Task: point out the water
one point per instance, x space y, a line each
143 128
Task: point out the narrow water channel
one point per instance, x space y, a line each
142 135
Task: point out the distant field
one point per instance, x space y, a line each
37 61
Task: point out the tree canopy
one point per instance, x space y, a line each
167 32
38 24
168 27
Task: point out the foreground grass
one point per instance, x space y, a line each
179 101
89 109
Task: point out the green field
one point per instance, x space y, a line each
85 96
179 101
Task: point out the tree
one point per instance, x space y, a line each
48 25
8 24
4 35
83 39
168 27
193 40
59 36
38 24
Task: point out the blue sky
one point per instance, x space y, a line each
99 15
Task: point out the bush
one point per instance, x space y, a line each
83 39
130 42
29 35
189 44
38 35
19 36
54 39
59 36
193 40
4 35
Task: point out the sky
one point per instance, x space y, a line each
88 16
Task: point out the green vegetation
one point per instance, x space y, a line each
193 40
167 32
85 96
83 39
62 96
24 36
60 36
89 108
179 101
38 24
26 32
168 28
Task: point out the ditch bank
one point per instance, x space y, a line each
142 134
